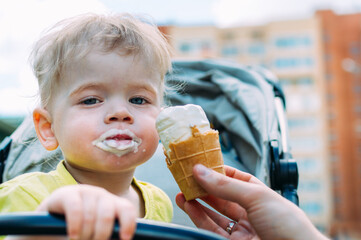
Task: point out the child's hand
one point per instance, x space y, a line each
90 212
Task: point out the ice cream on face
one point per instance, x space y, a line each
118 142
174 124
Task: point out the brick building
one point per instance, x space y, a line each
342 59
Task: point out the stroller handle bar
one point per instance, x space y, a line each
282 124
31 223
283 168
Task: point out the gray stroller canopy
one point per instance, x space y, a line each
238 101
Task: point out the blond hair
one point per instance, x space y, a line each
71 39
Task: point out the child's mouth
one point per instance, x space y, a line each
118 141
119 137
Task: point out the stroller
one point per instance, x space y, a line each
244 103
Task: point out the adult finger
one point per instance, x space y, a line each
199 216
243 176
244 189
230 209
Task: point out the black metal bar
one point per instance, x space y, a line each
53 224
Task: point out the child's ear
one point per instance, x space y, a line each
42 122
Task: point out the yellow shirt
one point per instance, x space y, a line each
27 191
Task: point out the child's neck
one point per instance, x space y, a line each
118 184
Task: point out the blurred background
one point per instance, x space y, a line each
314 47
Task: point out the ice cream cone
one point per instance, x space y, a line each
203 148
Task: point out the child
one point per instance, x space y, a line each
101 80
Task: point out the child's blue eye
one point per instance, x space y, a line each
138 100
90 101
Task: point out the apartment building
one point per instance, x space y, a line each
341 35
323 110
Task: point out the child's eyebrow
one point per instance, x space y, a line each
85 87
148 88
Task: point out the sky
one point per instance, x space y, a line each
23 21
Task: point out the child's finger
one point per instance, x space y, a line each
72 208
89 215
127 214
105 219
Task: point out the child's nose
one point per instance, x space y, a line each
120 115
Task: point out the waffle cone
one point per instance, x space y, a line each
200 148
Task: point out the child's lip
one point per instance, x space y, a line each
118 134
119 137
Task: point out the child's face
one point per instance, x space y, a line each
103 114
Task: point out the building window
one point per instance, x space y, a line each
326 37
332 137
357 109
331 116
291 42
337 200
228 36
330 97
310 186
283 63
307 61
328 57
185 47
312 208
358 127
335 178
257 35
334 158
256 49
354 49
329 76
357 89
303 123
286 82
308 165
230 51
304 81
303 144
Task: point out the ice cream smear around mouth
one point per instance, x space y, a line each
175 124
118 141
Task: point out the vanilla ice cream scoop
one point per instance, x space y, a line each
189 140
175 124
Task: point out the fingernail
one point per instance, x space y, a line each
202 170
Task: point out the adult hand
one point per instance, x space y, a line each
90 212
258 211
